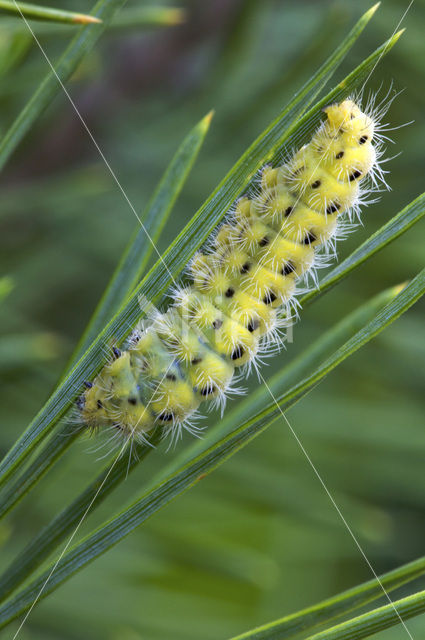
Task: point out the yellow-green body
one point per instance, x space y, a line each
242 289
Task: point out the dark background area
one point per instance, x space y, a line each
259 538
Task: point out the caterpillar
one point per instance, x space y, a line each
243 287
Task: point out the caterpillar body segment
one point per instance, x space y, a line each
243 288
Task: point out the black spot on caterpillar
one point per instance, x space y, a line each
166 416
208 390
356 174
309 237
270 297
287 269
335 206
237 352
242 289
253 325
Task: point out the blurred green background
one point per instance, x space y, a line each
259 538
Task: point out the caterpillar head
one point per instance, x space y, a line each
340 114
347 118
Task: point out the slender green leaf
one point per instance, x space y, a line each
80 45
287 127
308 619
42 545
377 620
35 12
407 217
400 223
143 242
304 363
122 283
132 18
121 525
65 522
136 17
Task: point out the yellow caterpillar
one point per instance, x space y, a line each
243 288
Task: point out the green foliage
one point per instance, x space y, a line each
257 539
99 489
132 19
121 285
288 127
200 465
370 623
308 619
80 45
35 12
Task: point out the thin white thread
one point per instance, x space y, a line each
297 438
102 155
260 375
83 517
331 498
388 43
362 87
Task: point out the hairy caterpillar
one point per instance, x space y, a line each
243 287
